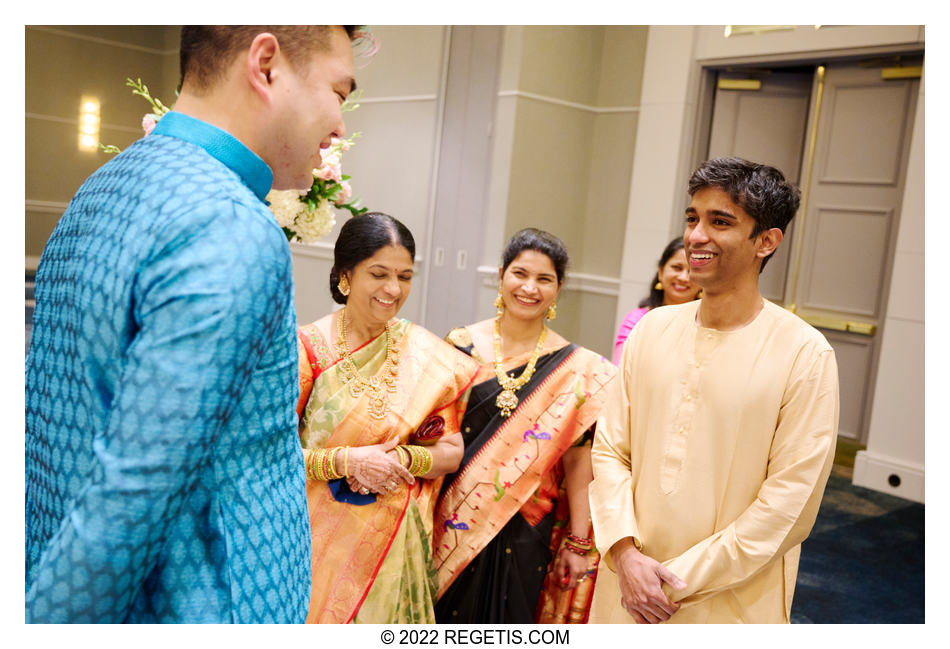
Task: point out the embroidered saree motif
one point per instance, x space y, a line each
505 473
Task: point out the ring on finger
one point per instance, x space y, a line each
364 490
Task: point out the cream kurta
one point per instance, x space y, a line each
712 453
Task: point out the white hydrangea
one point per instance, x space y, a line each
311 226
286 206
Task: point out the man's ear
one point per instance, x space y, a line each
262 57
768 242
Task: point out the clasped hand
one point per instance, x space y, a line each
641 584
374 469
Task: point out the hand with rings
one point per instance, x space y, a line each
570 569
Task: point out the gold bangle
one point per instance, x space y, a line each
331 464
403 454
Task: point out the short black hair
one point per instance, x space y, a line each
360 238
762 191
539 241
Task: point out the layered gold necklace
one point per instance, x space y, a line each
507 400
379 385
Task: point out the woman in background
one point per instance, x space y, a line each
519 498
380 405
673 286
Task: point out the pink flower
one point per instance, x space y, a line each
329 171
346 192
148 123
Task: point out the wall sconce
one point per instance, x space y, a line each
89 124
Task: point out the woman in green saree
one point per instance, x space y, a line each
380 404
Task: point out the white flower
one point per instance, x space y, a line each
286 206
310 226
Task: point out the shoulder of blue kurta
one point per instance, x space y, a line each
222 146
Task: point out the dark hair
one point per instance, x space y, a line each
540 241
360 238
655 297
207 50
759 189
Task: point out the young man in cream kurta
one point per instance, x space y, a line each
713 451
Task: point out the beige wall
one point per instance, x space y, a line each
62 65
896 432
392 162
566 129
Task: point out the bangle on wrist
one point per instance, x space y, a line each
420 459
578 544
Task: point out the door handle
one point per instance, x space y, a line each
840 324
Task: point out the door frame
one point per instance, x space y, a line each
707 71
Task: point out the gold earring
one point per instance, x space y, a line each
344 286
699 294
500 304
552 311
658 286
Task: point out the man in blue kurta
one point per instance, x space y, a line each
164 477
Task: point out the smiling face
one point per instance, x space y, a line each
379 286
529 285
674 275
720 250
307 104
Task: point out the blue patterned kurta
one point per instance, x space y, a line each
164 476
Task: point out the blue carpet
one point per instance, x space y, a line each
864 560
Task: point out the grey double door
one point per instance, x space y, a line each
842 132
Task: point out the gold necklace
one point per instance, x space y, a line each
507 400
385 379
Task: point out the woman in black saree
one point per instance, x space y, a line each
519 498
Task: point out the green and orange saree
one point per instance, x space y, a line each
372 561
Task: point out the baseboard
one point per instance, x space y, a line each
879 471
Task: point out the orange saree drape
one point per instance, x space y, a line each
350 543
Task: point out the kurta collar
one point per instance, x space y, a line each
221 145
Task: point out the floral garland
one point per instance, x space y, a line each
304 216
